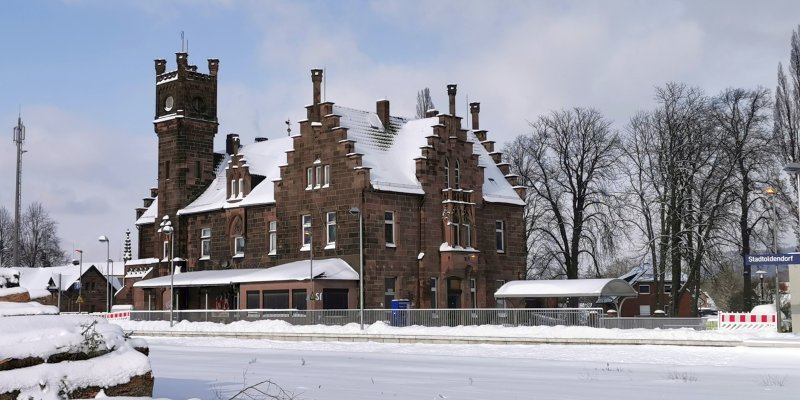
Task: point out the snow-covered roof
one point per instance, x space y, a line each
566 288
263 159
331 268
390 154
149 215
39 279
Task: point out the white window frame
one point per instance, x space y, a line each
500 303
233 189
644 288
166 251
205 243
644 307
318 176
305 232
458 175
473 293
330 223
667 288
455 229
447 172
240 188
326 179
273 238
391 225
309 178
236 248
500 233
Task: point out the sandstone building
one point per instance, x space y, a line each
442 216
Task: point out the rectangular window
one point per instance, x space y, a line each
331 223
309 178
166 250
318 182
388 294
238 245
644 309
473 294
276 299
434 297
389 228
299 298
455 230
306 239
273 237
667 288
500 236
197 170
205 243
240 187
253 296
499 303
467 236
233 189
327 178
644 289
166 170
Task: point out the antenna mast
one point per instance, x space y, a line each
19 138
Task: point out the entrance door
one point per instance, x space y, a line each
453 293
334 299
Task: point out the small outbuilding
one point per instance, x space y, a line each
613 288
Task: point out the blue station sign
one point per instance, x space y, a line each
771 259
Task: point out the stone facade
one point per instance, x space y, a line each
446 245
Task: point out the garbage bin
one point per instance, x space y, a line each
399 312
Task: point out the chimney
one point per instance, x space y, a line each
451 92
382 109
316 80
475 109
261 139
232 144
161 66
213 66
183 60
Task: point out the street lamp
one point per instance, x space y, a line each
166 228
354 211
794 169
771 192
104 239
761 274
311 296
80 279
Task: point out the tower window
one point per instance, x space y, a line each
458 174
447 172
388 225
306 239
205 243
273 237
500 236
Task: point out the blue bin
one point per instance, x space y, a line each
399 312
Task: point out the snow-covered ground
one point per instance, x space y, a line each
211 368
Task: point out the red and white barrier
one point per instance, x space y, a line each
122 315
747 321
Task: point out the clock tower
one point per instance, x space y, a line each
186 123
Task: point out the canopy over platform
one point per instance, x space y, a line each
331 269
614 287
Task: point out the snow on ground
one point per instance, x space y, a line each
29 308
573 332
209 368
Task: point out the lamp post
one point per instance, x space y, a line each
771 192
761 274
794 169
354 211
165 227
80 279
311 296
104 239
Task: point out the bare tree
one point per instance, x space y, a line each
743 117
424 102
569 162
786 123
40 245
6 238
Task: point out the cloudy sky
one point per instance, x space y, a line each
82 73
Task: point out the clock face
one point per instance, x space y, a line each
169 103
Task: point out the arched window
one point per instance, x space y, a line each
447 172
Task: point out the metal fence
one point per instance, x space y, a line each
590 317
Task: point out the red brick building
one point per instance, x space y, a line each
442 216
643 281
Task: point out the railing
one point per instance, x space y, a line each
698 324
590 317
423 317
